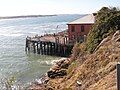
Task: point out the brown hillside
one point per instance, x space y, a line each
97 72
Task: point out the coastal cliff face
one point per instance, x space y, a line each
92 65
96 71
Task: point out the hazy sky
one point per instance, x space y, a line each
45 7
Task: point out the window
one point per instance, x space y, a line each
73 28
82 28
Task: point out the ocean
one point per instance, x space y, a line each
14 62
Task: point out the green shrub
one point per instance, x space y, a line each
75 52
71 67
107 22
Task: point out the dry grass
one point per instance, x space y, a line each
96 72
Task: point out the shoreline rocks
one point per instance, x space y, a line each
58 69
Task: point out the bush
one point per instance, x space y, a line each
107 22
75 51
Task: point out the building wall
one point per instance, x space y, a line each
78 35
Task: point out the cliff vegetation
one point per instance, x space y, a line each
107 22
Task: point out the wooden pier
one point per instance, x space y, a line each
55 45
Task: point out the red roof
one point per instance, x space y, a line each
88 19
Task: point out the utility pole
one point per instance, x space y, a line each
118 76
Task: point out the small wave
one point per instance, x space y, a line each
39 81
46 62
54 61
51 62
42 79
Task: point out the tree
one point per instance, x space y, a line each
107 22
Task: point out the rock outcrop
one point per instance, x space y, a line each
95 72
59 69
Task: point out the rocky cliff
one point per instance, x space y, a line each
97 72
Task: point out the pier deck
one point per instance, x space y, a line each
49 45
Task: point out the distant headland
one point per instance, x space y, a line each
25 16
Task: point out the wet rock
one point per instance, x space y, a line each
56 73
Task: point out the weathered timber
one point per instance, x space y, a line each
56 46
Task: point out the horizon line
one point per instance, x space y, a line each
27 16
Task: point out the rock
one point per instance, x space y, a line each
54 67
59 69
65 64
60 62
56 73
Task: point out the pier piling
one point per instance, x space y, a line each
46 47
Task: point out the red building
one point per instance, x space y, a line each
78 29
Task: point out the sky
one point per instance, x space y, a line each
49 7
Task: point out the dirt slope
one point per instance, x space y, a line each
97 72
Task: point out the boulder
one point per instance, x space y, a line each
65 64
59 69
56 73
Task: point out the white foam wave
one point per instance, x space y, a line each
54 61
51 62
39 81
46 62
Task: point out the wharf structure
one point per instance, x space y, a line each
61 44
56 45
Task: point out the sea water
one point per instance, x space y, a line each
14 62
